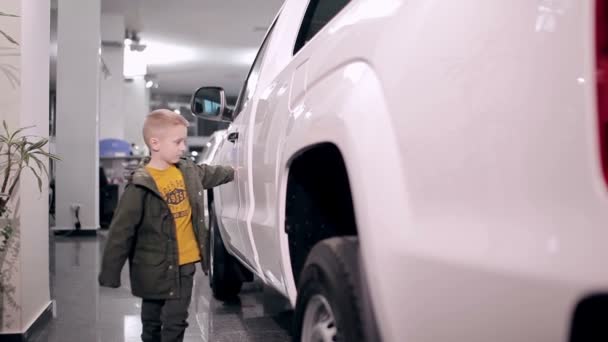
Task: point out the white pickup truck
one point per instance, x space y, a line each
422 170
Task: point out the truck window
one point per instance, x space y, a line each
252 79
318 14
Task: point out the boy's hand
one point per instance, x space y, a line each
104 283
121 236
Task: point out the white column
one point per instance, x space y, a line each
111 118
34 219
136 107
25 103
78 72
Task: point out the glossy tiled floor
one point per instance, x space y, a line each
87 313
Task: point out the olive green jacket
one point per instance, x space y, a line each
143 231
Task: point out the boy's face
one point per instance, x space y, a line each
170 145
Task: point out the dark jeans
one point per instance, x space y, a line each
164 320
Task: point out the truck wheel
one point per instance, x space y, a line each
329 300
224 277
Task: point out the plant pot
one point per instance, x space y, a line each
9 267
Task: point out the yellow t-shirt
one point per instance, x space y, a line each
170 183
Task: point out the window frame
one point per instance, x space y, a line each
239 106
306 22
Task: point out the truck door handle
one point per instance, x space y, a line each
233 137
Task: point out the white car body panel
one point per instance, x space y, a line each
468 129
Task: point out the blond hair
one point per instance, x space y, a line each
160 119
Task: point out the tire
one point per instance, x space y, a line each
224 278
329 293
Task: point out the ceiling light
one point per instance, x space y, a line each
159 53
177 111
134 63
128 41
246 57
138 56
194 153
149 84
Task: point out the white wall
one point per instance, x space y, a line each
78 72
136 107
111 117
124 105
112 27
35 45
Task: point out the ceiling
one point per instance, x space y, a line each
197 42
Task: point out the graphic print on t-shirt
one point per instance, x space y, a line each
175 196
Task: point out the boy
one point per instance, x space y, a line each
158 226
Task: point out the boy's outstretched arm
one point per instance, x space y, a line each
212 176
120 239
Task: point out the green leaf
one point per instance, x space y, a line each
9 38
14 134
37 177
40 164
19 131
26 159
48 155
18 152
4 14
38 145
22 145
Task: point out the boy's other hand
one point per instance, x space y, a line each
105 283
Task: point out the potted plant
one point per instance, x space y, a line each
18 153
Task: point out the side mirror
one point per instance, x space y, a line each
209 103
